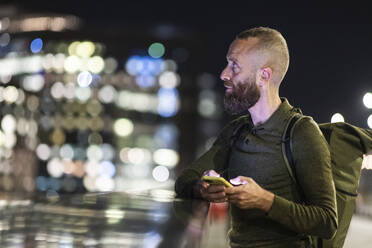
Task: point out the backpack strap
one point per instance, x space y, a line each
289 162
287 150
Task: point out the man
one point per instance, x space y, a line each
267 208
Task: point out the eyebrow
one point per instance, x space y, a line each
232 59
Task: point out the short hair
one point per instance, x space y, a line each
273 42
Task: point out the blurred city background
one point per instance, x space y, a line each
98 97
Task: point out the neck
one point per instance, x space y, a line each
264 108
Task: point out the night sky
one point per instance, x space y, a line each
330 45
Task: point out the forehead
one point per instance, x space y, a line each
240 47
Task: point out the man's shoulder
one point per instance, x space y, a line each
306 122
307 130
236 121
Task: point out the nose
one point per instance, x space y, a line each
225 75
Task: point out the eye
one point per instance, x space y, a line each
235 67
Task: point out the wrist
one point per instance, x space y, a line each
196 189
267 201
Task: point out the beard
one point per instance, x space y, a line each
243 96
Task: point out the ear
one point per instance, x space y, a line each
266 74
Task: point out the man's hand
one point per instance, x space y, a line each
211 193
249 195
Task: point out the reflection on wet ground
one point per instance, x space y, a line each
143 219
151 218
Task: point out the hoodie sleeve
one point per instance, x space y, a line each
318 215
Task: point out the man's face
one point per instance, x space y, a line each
239 78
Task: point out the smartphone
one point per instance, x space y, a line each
216 180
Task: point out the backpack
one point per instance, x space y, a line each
347 144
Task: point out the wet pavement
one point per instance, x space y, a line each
148 219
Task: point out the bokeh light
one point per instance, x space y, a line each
104 183
94 107
160 173
10 140
1 93
96 64
72 64
166 157
4 39
123 127
156 50
207 106
84 79
107 168
23 126
110 65
32 103
367 161
58 62
41 183
369 121
107 94
367 100
10 94
137 65
69 92
95 138
170 65
85 49
83 94
48 61
94 152
36 45
8 123
133 65
92 168
57 137
145 81
66 151
55 167
138 156
21 97
337 118
166 135
73 47
89 183
108 152
168 102
76 110
136 171
33 83
169 79
5 78
43 151
123 154
57 90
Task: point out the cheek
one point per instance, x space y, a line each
239 84
241 78
237 80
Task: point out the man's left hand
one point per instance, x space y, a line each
249 195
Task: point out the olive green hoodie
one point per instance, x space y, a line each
257 154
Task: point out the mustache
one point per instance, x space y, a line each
228 84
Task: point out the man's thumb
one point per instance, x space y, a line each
240 180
